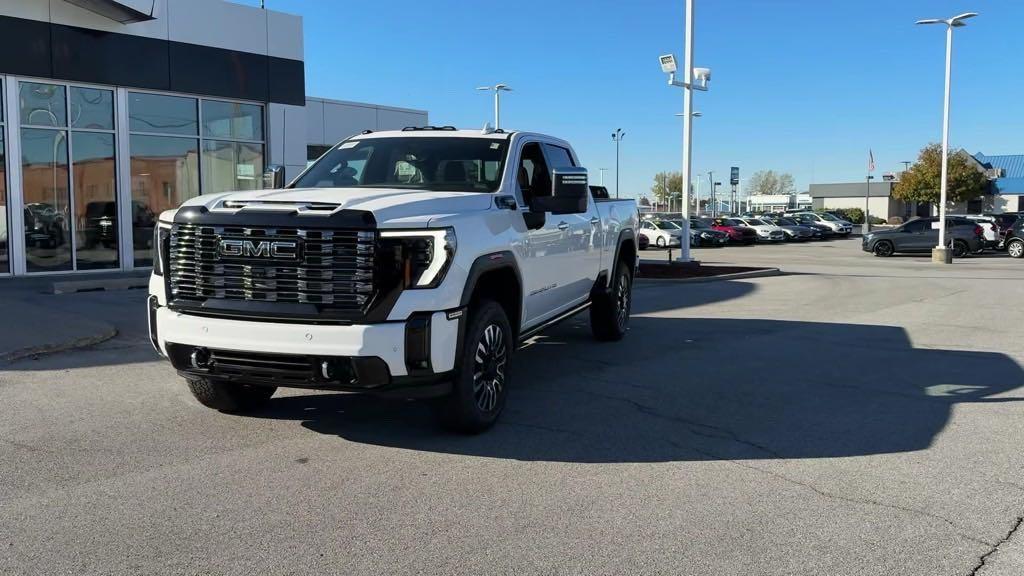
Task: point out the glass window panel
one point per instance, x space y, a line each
232 120
165 173
5 258
162 114
42 104
92 163
229 166
44 167
92 109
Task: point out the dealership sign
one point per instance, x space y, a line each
734 175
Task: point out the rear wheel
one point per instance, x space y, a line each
229 396
883 249
960 249
660 242
1015 248
609 313
481 372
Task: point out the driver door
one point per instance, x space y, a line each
549 272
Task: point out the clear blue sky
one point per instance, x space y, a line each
801 86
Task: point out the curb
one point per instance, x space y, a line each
47 349
701 279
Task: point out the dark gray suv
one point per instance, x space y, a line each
919 235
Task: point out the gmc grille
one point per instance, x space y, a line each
331 269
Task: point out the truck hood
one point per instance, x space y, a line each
390 206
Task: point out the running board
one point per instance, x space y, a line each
526 335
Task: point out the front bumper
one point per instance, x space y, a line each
413 358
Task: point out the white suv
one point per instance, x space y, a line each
839 226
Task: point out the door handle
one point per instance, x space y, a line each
563 225
595 221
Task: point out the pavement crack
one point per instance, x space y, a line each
994 547
695 427
833 496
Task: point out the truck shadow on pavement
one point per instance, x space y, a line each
696 389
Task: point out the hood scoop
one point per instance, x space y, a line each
297 208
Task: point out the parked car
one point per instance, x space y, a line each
661 233
922 234
794 232
838 226
989 226
44 225
1014 239
766 231
737 234
419 277
702 234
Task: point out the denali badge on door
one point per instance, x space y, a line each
277 249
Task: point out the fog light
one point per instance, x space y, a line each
200 359
337 370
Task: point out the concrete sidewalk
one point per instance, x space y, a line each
41 315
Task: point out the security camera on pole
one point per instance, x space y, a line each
941 253
703 76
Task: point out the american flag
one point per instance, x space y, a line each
871 161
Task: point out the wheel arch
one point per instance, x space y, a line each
497 275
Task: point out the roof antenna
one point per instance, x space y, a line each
487 129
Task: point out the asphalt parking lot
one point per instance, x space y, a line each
855 415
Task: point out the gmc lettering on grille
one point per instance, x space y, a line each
259 249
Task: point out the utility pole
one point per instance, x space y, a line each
617 137
497 89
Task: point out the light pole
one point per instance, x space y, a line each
866 226
602 171
906 165
941 253
703 75
498 89
617 137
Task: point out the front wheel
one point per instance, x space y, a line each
1015 248
609 313
883 249
960 249
229 396
482 372
660 242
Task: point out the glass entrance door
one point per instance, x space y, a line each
68 174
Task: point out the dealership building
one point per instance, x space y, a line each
112 111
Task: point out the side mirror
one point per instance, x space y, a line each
273 177
568 193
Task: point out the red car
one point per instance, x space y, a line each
737 234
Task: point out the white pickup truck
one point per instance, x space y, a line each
409 263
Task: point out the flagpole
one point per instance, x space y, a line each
865 228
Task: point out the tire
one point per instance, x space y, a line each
883 249
1015 248
229 396
482 372
609 313
659 241
960 249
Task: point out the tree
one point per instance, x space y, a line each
667 186
644 201
770 182
921 183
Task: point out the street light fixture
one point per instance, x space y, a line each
617 137
702 76
498 89
941 253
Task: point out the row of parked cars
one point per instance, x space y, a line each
664 231
966 234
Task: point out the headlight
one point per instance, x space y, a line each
161 248
705 235
422 255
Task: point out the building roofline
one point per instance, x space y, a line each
364 105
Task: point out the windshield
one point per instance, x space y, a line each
669 225
697 223
785 222
829 217
755 222
416 163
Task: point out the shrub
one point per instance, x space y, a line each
896 220
853 215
